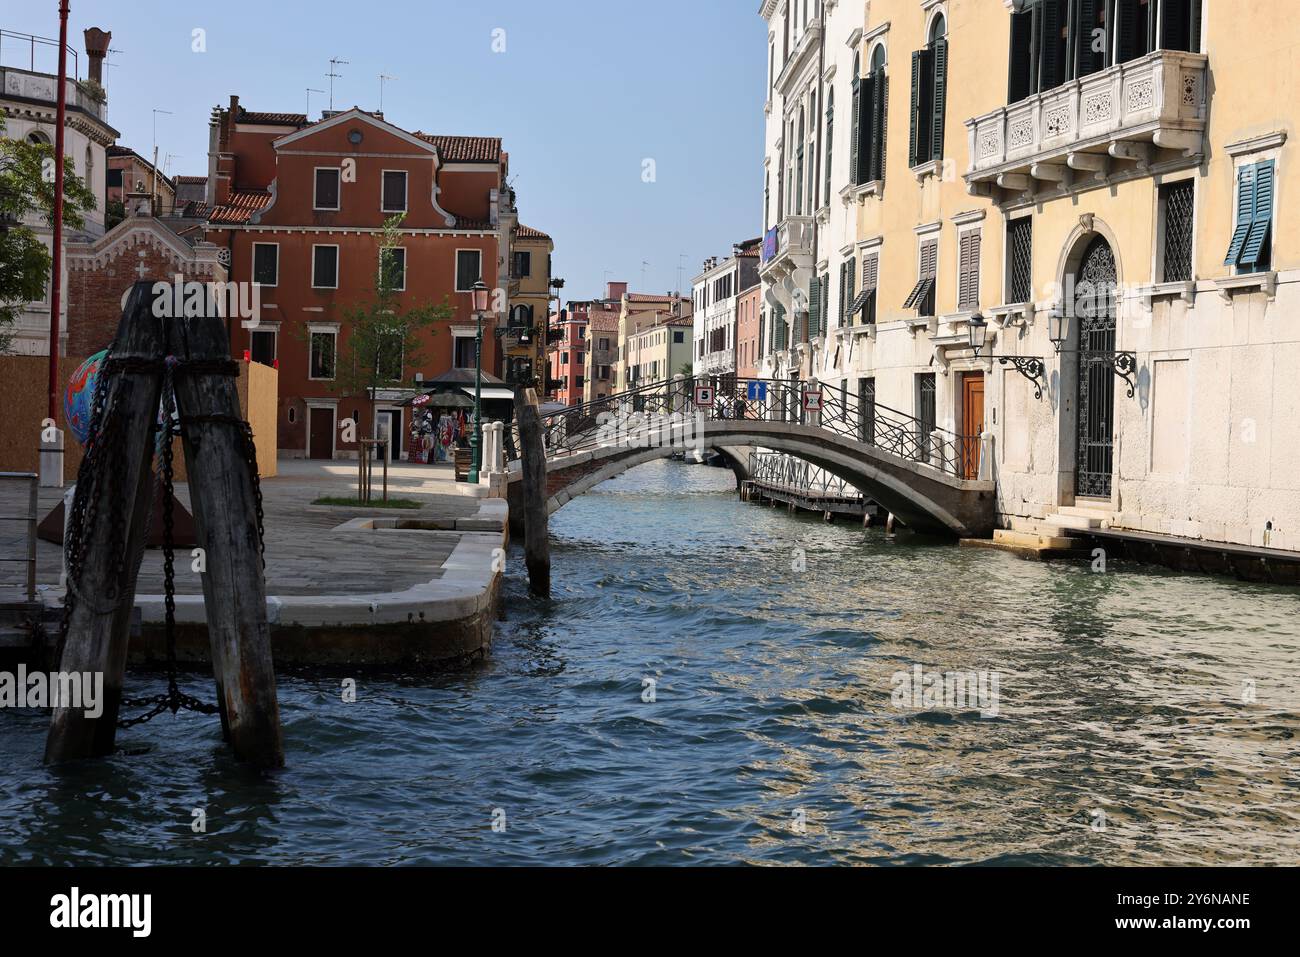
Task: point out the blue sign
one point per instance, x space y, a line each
758 392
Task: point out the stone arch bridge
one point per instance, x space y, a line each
929 479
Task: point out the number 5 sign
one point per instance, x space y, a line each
704 396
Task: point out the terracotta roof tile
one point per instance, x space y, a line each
527 232
645 297
191 180
271 119
243 204
466 149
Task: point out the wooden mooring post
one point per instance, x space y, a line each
222 473
116 508
537 541
221 462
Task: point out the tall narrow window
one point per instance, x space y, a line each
1251 248
968 270
469 269
1020 241
1091 40
922 298
1135 29
879 114
925 412
325 267
830 140
327 189
394 198
929 96
266 263
855 120
1180 27
322 355
1177 205
867 410
1020 83
392 266
798 168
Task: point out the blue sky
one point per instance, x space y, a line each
585 91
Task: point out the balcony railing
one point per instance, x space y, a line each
1109 122
794 244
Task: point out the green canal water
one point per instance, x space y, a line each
717 682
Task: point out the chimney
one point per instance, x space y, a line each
615 290
97 42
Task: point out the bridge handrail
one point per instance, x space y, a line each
576 428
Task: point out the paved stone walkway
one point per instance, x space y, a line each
304 553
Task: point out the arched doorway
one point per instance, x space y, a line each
1095 285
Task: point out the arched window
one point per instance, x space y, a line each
869 120
38 138
929 95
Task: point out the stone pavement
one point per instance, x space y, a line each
304 555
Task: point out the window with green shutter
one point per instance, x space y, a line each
1251 247
929 97
830 140
814 307
862 149
854 118
879 123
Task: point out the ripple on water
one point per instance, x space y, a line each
772 736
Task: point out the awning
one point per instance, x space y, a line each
492 392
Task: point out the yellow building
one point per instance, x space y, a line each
1109 174
524 336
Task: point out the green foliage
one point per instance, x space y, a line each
114 213
383 335
26 191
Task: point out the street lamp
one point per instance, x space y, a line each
977 330
479 301
1031 367
1058 326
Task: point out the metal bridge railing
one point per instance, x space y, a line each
782 472
30 518
842 413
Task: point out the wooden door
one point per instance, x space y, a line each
321 431
972 410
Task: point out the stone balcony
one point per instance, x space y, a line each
791 250
43 89
1135 119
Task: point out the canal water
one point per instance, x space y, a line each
719 682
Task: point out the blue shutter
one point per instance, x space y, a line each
1262 219
1245 213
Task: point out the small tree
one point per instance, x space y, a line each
383 337
26 190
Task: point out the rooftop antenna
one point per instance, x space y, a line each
153 190
107 54
680 265
382 78
335 63
644 264
310 91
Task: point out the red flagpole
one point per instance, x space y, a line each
56 282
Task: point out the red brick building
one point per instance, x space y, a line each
300 209
567 351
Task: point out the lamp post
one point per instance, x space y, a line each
479 301
1031 367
